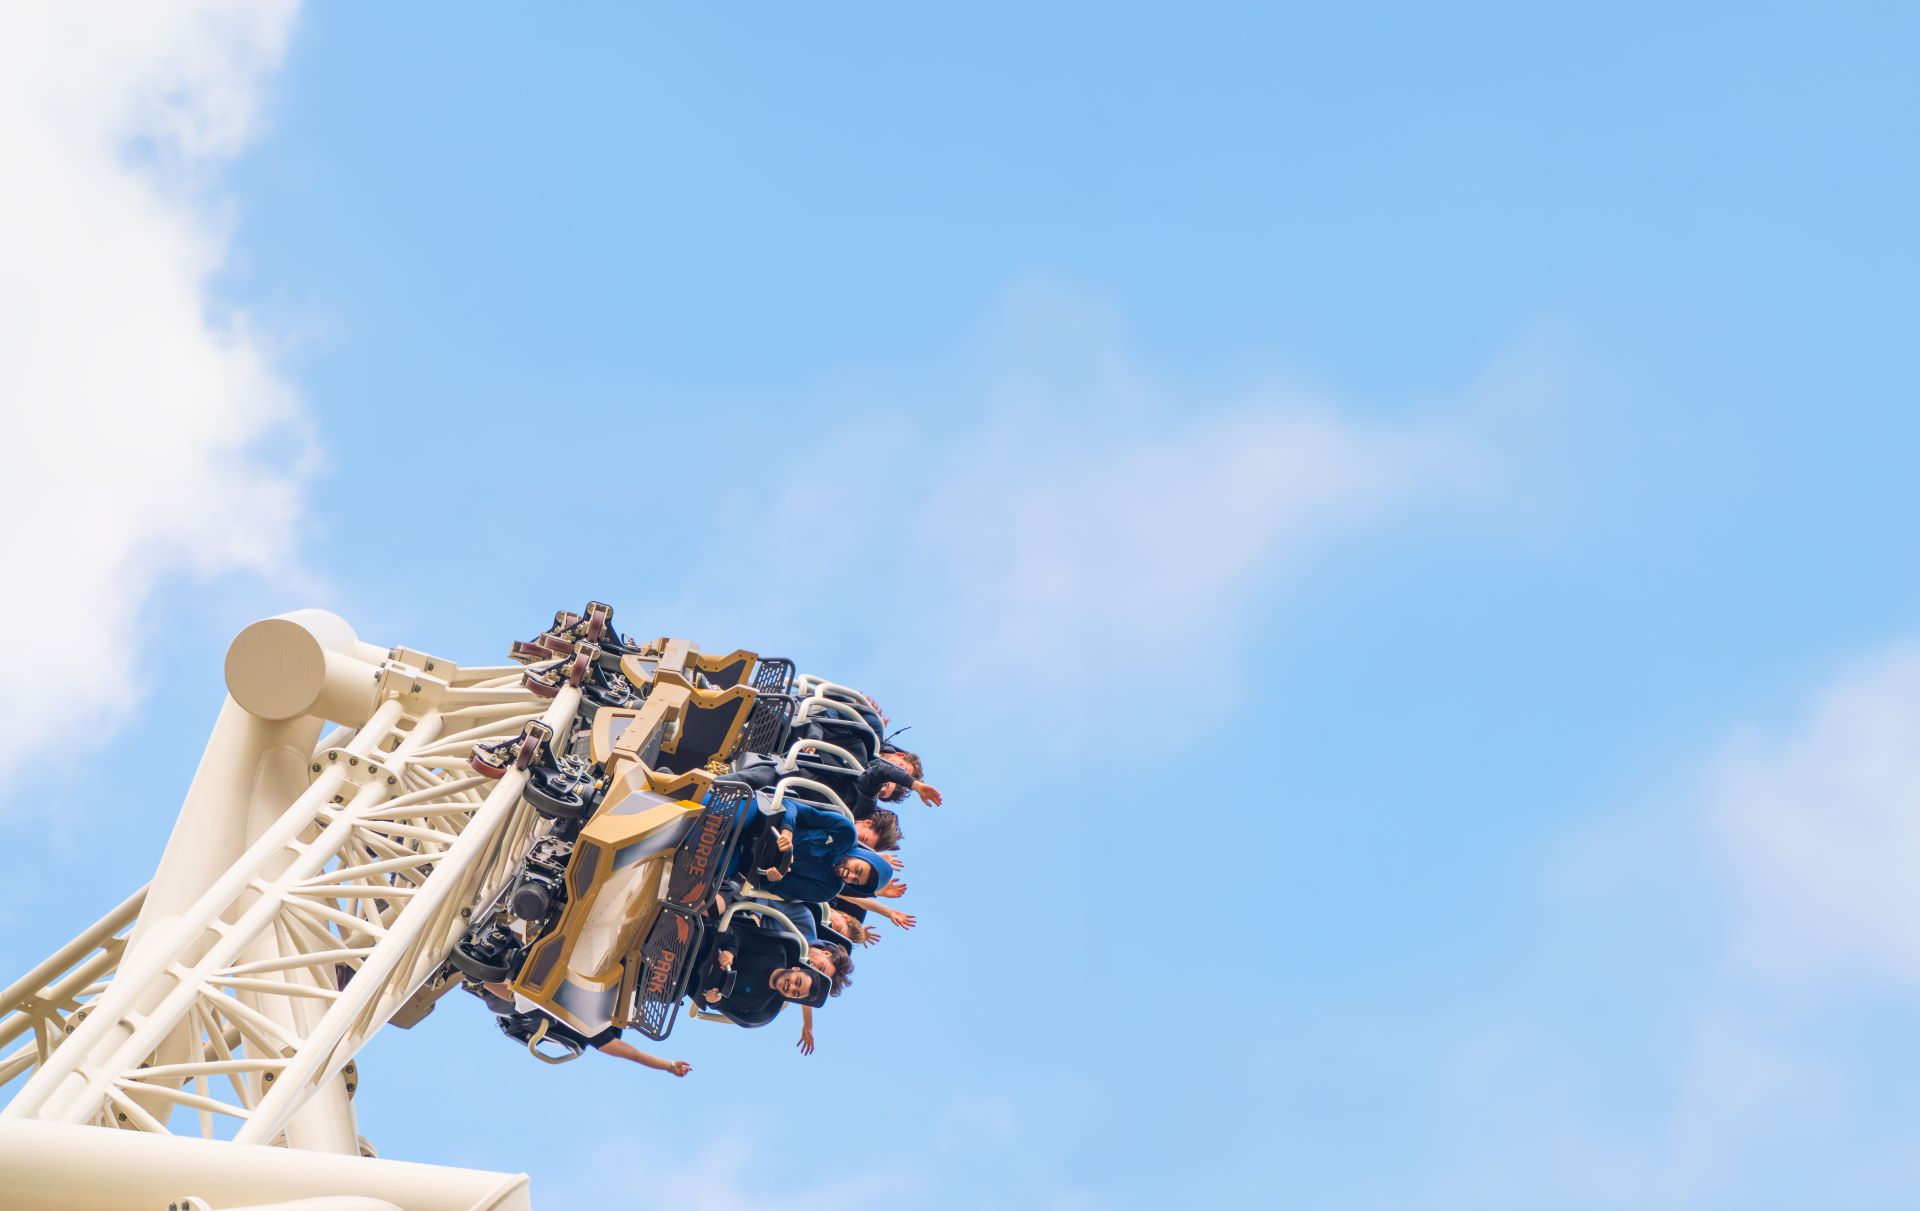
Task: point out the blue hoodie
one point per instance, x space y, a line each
823 834
882 872
821 839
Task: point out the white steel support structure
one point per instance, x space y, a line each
311 884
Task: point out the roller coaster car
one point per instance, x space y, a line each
676 728
668 737
630 901
628 670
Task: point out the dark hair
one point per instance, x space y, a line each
886 828
842 968
913 762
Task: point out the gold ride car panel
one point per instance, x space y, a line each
615 880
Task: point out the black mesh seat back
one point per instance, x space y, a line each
768 724
773 675
703 856
666 964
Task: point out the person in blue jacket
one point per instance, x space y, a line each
815 841
827 860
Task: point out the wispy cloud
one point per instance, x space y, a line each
1068 511
1062 538
1101 515
1821 829
148 432
1708 1028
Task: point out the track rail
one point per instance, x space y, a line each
240 1013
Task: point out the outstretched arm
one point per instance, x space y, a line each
620 1049
903 920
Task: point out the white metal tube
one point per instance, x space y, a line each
780 792
210 834
308 662
791 761
315 1060
144 980
92 938
138 1171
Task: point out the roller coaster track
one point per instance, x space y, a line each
312 885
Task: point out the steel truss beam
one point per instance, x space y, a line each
245 1005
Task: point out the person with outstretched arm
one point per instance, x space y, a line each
887 779
903 920
749 976
502 1000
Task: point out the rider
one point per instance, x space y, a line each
749 976
520 1019
888 779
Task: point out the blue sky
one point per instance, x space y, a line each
1391 526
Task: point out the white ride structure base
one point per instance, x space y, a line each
312 886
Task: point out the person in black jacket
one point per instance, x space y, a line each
753 972
888 779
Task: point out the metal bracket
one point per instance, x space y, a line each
357 771
424 662
418 690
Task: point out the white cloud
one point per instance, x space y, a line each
1821 828
1722 1040
147 432
1105 521
1067 539
1064 514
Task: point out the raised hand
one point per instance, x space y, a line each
895 861
927 794
806 1042
902 919
679 1067
892 891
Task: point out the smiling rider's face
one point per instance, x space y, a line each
855 871
792 983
